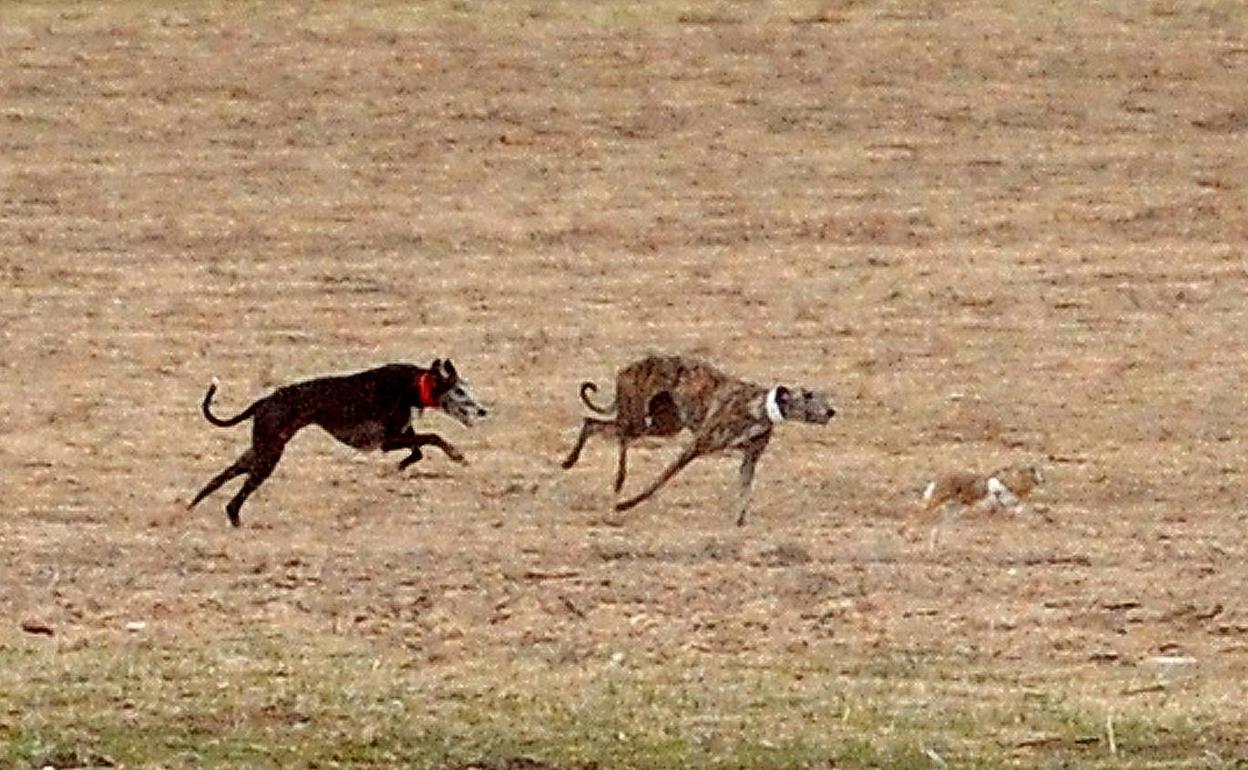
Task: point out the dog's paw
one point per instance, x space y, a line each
457 456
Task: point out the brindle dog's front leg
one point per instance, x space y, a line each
745 476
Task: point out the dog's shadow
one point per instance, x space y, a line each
419 475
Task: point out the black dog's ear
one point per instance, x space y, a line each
436 366
449 368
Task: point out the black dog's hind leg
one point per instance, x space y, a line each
240 466
260 469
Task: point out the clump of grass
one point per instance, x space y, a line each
276 702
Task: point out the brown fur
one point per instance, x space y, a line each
968 489
663 395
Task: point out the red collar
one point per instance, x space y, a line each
424 389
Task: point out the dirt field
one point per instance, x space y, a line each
996 231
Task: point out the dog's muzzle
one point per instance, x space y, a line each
471 415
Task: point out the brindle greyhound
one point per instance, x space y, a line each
662 395
367 410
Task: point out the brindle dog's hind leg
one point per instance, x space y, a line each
685 458
662 419
621 466
591 427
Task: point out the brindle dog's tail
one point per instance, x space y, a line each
586 389
220 423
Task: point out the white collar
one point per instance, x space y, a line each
772 408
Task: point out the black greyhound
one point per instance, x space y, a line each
367 410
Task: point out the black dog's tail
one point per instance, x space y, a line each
212 418
586 389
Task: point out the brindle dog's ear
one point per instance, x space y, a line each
451 374
783 399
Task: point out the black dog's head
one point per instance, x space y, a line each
453 395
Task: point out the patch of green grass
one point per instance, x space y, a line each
273 702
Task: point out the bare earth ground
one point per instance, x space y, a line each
997 230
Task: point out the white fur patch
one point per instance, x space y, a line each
1000 494
772 408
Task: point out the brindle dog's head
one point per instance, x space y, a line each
804 405
454 394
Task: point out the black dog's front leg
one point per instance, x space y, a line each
414 441
415 456
404 440
434 439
